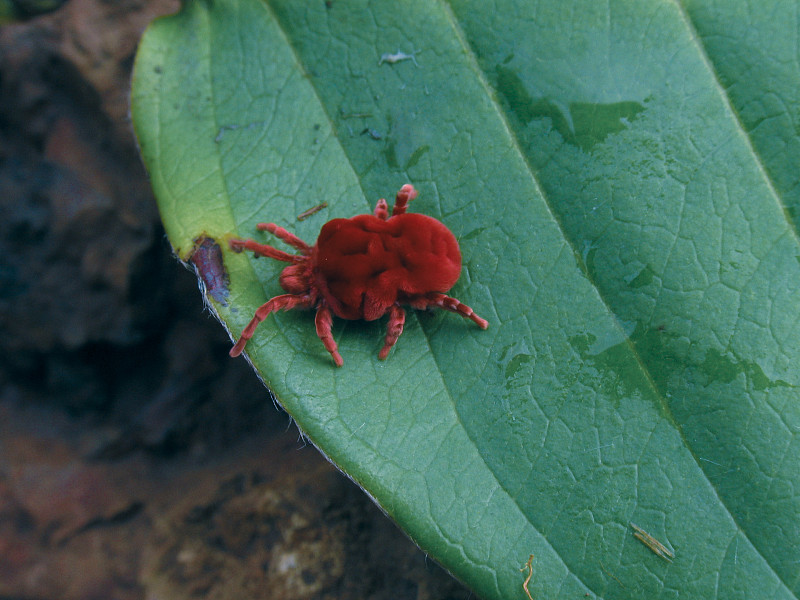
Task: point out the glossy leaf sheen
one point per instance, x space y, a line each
622 178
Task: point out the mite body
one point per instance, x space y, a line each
363 268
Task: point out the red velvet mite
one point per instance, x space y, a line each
363 268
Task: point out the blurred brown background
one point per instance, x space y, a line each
137 461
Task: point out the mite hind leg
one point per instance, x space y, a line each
397 318
324 322
451 304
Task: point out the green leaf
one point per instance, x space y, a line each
623 181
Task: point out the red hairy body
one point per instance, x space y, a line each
363 268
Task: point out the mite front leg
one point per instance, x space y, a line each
286 236
324 322
238 245
397 318
382 209
284 302
406 194
451 304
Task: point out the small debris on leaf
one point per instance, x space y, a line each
375 135
528 565
314 209
397 57
652 543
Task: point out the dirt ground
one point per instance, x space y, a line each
137 461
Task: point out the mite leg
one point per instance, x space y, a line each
238 245
382 209
406 194
451 304
397 318
284 302
286 236
324 322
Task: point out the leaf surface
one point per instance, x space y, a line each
627 226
